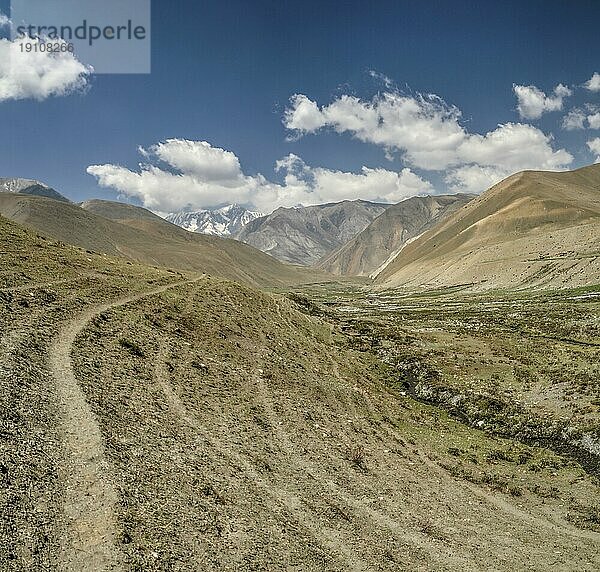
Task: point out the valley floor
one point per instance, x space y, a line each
156 421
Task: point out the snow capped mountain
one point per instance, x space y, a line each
17 185
29 187
225 221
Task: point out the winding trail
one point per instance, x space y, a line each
88 539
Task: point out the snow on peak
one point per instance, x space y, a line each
224 221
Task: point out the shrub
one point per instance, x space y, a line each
133 347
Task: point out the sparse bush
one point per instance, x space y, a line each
305 304
357 456
585 516
499 455
515 490
132 346
428 527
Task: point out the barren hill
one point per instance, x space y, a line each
535 228
389 232
155 421
303 235
125 230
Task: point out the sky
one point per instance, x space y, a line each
270 103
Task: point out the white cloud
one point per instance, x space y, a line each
594 120
573 120
474 178
513 147
198 158
593 84
533 102
429 134
306 116
198 175
37 74
424 127
321 185
594 146
4 20
578 118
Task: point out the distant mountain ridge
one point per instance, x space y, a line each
534 229
225 221
29 187
120 229
399 224
303 235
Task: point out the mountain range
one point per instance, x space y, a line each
535 228
352 238
225 221
29 187
120 229
395 227
303 235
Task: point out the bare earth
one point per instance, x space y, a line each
154 422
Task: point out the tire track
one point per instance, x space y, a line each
87 542
334 544
508 508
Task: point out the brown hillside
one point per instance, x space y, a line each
144 237
532 229
389 232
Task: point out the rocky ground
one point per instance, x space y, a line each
226 428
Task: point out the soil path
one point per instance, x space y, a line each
88 539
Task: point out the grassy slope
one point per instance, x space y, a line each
242 433
250 435
532 229
42 283
144 237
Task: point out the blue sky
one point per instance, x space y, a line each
224 73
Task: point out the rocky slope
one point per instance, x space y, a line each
210 426
303 235
534 229
389 232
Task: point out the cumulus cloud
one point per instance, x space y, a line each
37 74
579 118
594 146
533 102
573 120
199 158
181 174
325 185
593 84
594 120
4 20
423 126
428 133
184 174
